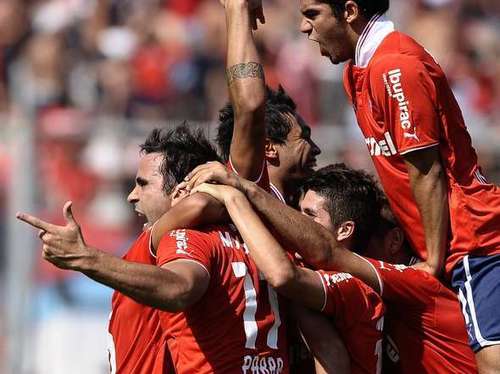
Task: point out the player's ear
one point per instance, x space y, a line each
345 230
394 240
351 11
272 154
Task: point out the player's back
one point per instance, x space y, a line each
136 343
358 315
424 325
237 326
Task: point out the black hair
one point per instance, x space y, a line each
278 103
368 8
351 195
183 148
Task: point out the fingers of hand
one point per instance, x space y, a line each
68 213
36 222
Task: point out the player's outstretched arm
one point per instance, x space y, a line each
247 91
171 288
429 187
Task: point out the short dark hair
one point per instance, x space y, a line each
368 7
351 195
183 148
278 103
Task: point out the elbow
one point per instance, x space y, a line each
174 300
324 258
282 278
252 104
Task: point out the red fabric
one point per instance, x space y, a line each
211 336
137 336
358 314
424 321
403 103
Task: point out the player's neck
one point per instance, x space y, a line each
286 187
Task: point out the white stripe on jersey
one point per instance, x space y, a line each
277 194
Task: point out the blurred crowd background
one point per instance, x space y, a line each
82 82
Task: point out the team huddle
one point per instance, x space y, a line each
253 261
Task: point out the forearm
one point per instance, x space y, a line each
315 244
247 92
430 193
323 341
267 253
195 210
244 72
146 284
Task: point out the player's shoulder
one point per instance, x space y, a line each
398 51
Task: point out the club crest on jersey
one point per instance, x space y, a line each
392 81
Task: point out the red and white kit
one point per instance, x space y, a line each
403 103
424 325
237 326
136 342
358 315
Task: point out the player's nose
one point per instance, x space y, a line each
133 197
305 26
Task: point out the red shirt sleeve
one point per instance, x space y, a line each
405 285
186 245
404 94
348 299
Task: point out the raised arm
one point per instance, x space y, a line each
173 287
247 91
428 184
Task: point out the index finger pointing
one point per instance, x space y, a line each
36 222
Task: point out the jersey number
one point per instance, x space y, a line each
249 324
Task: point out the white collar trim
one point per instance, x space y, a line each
375 31
277 193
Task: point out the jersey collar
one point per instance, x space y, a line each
375 31
277 194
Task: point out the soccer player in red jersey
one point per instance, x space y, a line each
355 309
423 318
422 152
137 341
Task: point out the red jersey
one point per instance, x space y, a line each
424 324
136 340
237 326
403 103
358 315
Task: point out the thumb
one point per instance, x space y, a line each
68 213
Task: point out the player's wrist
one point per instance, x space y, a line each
87 260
